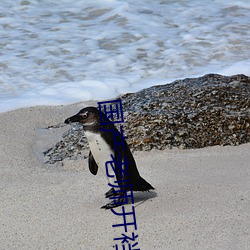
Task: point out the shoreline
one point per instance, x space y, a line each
201 199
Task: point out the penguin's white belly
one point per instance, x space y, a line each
100 150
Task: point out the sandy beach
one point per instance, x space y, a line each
201 198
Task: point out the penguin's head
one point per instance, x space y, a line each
87 117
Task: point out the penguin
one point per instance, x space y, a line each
102 147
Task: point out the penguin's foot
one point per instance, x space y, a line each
119 202
111 193
110 205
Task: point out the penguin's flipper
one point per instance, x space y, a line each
93 167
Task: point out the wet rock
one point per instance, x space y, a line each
190 113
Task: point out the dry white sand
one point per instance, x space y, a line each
201 201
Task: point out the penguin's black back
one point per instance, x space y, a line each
138 183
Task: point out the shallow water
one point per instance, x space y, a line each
63 52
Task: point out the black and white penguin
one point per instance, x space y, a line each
102 146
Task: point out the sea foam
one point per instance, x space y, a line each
63 52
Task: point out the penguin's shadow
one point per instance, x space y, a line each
141 197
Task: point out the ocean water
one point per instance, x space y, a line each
61 52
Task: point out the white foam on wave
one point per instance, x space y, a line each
63 52
242 67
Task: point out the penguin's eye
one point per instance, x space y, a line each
84 115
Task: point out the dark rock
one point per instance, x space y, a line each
190 113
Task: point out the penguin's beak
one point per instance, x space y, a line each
74 118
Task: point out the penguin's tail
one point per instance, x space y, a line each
141 185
